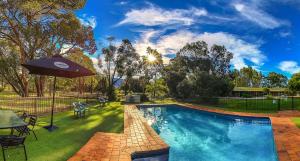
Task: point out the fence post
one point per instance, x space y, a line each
293 105
35 105
246 103
278 104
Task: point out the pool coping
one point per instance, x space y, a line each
140 140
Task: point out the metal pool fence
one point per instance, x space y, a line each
258 104
40 105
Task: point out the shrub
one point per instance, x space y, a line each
1 89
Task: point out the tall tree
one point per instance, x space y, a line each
199 71
248 77
220 59
119 62
42 28
80 84
276 80
294 83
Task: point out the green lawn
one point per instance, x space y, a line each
296 120
72 134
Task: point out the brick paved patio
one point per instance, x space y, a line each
138 137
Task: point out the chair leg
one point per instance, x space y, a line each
34 135
3 154
25 152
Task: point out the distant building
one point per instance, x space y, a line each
257 92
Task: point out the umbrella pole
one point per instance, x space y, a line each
51 127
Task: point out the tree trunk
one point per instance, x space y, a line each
24 74
40 85
80 86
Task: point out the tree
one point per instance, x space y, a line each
119 62
276 80
152 67
220 59
157 88
199 71
247 77
83 83
294 83
42 28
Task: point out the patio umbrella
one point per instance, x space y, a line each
56 66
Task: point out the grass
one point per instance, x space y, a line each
72 134
296 120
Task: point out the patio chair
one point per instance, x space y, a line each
23 130
102 101
12 141
78 110
31 125
84 106
23 116
29 128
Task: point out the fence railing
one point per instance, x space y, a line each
40 105
258 104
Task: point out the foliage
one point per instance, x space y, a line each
296 120
119 62
1 89
247 77
294 83
276 80
152 68
39 28
9 68
157 88
266 90
83 83
197 71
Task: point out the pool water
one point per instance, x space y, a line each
195 135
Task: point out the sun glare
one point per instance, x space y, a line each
151 58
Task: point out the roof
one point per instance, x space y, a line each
257 89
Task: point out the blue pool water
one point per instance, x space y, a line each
195 135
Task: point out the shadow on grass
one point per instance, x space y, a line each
71 135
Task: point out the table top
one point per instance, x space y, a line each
9 119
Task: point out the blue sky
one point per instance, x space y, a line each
262 34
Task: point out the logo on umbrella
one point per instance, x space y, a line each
61 65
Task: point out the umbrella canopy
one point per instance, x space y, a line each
57 66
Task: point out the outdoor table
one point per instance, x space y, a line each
9 120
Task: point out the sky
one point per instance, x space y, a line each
262 34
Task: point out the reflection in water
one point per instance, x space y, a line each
197 135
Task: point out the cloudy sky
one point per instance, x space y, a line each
262 34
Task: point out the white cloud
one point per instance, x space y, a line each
174 42
258 16
95 63
155 16
289 66
284 34
88 20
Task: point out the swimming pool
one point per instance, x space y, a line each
195 135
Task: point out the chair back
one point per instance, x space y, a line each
32 121
75 104
22 130
9 141
24 116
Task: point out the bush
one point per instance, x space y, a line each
269 97
1 89
144 97
246 95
